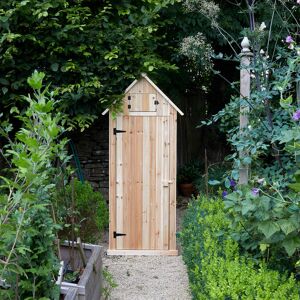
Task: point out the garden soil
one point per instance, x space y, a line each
148 277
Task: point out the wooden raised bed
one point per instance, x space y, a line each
90 284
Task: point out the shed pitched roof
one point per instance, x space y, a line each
156 88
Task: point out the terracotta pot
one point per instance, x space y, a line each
186 189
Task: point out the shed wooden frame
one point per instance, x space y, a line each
142 173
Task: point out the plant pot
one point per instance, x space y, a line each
90 283
186 189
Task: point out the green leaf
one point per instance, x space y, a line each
247 205
295 186
247 160
285 103
268 228
227 183
4 90
4 81
287 226
54 67
291 245
228 204
214 182
263 247
36 80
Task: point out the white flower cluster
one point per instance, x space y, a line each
208 8
198 51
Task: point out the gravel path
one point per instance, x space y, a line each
148 277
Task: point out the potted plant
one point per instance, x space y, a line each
187 174
83 213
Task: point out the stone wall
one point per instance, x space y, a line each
92 148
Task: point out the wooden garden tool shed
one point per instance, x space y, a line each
142 173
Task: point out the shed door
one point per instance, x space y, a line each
142 183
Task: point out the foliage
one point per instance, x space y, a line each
109 284
189 172
274 71
271 128
215 176
270 141
27 231
270 212
277 229
215 267
88 211
270 223
88 49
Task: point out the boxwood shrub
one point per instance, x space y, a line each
216 269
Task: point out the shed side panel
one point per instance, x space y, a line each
112 184
173 166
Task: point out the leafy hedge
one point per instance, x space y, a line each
90 211
215 267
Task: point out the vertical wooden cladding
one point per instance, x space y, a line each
143 175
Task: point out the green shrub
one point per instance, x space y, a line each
216 173
189 172
90 211
215 267
28 264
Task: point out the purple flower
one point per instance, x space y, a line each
296 115
289 39
298 1
224 194
255 192
232 183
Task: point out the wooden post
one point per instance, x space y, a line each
244 107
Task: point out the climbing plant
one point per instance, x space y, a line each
267 209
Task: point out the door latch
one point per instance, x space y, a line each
115 131
116 234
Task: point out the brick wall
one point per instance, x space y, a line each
92 147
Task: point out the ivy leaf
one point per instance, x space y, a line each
268 228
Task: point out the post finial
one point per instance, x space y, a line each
245 44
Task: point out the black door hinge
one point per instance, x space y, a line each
118 131
116 234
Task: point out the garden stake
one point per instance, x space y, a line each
206 172
73 225
81 251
